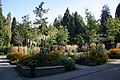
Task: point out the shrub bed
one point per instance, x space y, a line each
94 58
114 53
16 57
54 58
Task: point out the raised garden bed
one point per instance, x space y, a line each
39 71
44 71
24 70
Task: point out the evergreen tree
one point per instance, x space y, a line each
4 31
74 23
13 30
71 28
16 38
66 19
1 27
8 25
78 29
57 21
104 19
104 24
117 13
79 24
1 17
68 22
14 26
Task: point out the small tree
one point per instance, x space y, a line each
26 29
40 11
52 32
92 28
79 40
113 29
62 36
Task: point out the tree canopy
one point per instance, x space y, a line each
66 29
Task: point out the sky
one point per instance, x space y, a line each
20 8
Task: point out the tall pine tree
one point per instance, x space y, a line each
1 27
1 17
68 22
16 38
8 27
79 24
117 13
104 19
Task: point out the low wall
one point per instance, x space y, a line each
39 71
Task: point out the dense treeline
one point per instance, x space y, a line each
69 29
30 34
105 30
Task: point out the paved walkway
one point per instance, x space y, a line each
102 72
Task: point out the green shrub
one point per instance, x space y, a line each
101 57
24 58
41 60
1 53
114 53
31 50
5 49
94 58
15 56
55 58
69 63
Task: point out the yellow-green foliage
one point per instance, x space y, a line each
114 53
55 52
101 57
94 58
53 58
15 56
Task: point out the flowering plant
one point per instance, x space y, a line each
55 52
114 53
